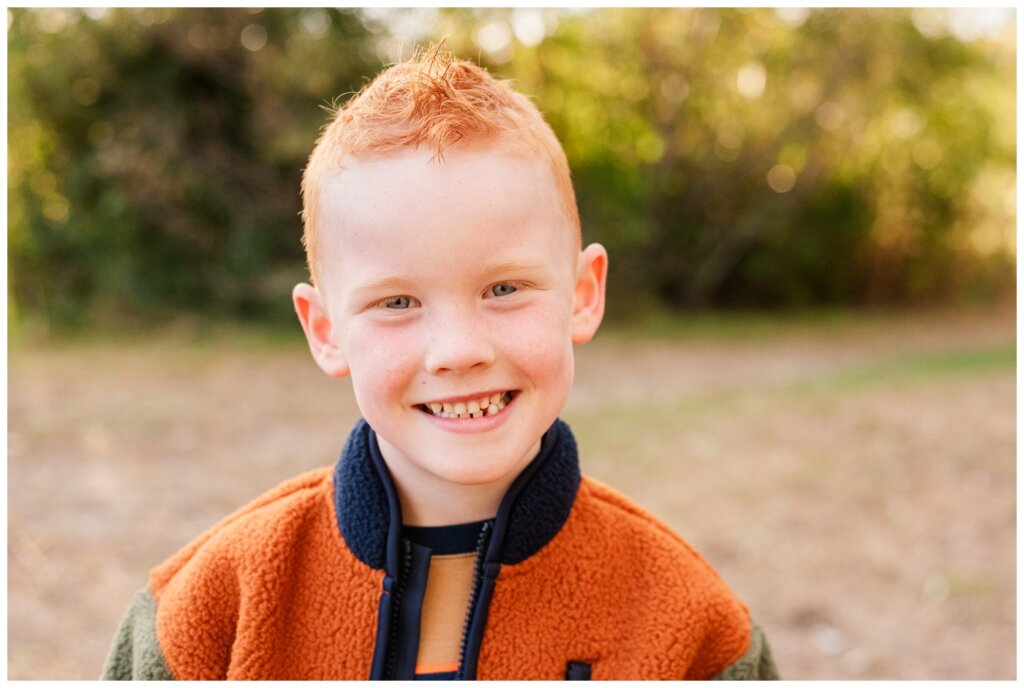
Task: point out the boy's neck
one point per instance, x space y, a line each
453 505
428 500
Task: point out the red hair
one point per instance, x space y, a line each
436 101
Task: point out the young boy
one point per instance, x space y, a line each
455 537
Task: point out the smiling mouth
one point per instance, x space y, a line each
487 405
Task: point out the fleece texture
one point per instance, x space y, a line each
301 584
757 664
671 617
272 592
135 654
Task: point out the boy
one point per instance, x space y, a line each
455 537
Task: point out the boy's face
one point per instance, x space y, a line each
458 286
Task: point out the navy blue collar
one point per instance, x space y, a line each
532 512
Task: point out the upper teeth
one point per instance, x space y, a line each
474 408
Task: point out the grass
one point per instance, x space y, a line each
907 368
620 425
183 333
723 325
659 322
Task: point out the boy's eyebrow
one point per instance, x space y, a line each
382 283
394 282
511 266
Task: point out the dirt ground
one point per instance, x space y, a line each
852 480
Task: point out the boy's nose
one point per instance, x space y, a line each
457 344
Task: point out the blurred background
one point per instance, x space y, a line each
808 365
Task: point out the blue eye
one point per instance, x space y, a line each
397 302
503 289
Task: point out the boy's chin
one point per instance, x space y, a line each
461 460
476 472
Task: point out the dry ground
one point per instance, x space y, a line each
853 480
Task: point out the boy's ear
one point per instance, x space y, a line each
588 304
317 326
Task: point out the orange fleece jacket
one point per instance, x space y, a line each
274 592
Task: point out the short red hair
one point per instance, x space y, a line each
436 101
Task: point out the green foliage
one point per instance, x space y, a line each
675 120
155 161
724 157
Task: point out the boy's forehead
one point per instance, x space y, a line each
401 172
387 196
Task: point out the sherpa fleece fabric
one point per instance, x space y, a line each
576 581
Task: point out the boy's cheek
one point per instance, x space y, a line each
379 391
539 335
542 349
385 361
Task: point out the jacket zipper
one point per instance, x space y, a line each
478 578
396 599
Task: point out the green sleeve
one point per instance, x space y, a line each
135 654
756 665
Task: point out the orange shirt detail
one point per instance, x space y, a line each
449 586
